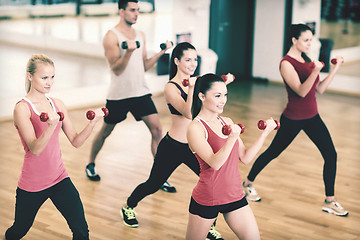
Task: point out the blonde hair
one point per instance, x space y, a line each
31 67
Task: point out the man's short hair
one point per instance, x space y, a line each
122 4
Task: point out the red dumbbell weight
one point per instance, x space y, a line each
185 82
225 77
312 64
91 114
262 124
226 129
44 116
334 61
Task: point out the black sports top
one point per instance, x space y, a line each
183 95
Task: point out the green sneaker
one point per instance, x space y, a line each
129 218
335 208
213 234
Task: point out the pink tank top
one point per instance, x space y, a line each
47 169
217 187
299 108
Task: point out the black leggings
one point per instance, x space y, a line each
317 132
169 155
65 198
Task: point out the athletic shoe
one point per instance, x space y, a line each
335 208
213 234
251 193
129 218
90 172
166 187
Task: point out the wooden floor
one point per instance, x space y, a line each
291 186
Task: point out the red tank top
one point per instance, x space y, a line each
217 187
47 169
298 107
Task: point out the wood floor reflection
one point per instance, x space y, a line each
291 186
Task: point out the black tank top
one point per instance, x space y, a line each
183 95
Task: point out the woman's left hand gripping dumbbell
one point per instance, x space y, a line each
228 78
100 112
191 81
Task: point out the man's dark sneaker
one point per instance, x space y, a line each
90 172
166 187
129 218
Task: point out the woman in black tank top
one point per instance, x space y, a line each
173 149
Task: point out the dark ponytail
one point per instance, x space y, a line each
202 85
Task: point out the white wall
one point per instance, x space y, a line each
307 11
192 16
268 39
187 16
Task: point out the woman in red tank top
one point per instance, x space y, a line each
219 187
301 79
43 175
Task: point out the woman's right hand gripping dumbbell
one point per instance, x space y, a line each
52 118
233 129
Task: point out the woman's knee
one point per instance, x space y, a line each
330 157
152 185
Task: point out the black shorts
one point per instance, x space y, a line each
138 106
210 212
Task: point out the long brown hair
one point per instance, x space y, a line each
294 32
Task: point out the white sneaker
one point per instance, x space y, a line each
251 193
335 208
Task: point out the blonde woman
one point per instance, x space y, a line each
43 175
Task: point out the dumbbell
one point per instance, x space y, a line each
185 82
91 114
334 60
226 129
262 124
124 44
44 116
312 64
225 77
163 45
